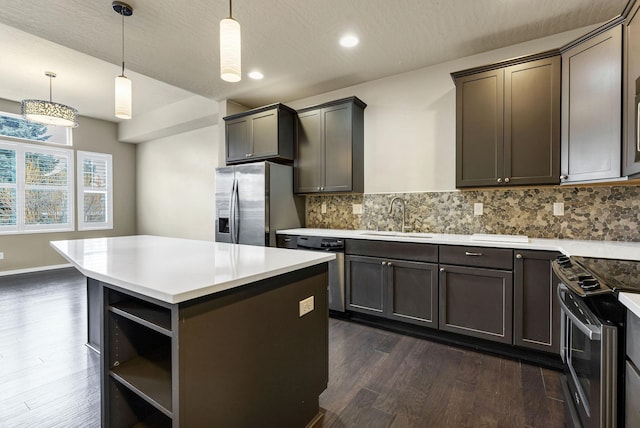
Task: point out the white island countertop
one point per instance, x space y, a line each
176 270
571 247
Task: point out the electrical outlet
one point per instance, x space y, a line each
1 256
478 208
323 208
357 208
558 208
306 306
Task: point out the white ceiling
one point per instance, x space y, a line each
172 46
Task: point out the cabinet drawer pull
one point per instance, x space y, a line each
248 155
471 254
287 239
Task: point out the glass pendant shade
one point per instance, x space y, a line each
230 54
123 97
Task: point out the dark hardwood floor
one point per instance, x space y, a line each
49 378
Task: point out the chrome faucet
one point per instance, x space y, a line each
403 207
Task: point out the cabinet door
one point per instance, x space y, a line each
237 139
477 302
309 153
591 108
631 146
413 292
479 129
532 122
536 314
337 130
365 284
264 134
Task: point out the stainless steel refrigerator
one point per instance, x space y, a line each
253 201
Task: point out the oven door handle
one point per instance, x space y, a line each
591 331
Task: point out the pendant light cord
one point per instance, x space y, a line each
230 10
50 90
122 13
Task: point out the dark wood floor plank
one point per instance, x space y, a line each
535 399
510 400
360 413
552 386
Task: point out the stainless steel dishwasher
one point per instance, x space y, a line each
336 267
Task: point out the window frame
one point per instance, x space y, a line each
81 157
21 227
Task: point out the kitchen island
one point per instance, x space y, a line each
198 333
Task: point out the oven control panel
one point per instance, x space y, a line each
578 279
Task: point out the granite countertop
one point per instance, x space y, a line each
176 270
599 249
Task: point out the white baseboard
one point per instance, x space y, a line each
35 269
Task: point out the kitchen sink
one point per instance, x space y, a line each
400 234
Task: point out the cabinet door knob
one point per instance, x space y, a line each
389 264
518 256
248 155
441 269
384 263
564 177
506 180
499 180
318 188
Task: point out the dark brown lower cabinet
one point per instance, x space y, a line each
396 289
477 302
536 316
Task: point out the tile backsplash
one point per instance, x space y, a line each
593 213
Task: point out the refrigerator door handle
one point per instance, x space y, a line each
232 210
235 230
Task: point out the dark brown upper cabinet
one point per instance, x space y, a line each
330 147
631 83
265 133
508 122
591 106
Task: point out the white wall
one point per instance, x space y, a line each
410 120
175 184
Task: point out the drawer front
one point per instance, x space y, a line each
497 258
393 250
633 338
631 392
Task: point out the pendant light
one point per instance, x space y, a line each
48 112
123 85
230 53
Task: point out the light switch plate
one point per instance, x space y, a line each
323 208
478 208
1 256
357 208
558 208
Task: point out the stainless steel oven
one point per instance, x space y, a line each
590 350
592 337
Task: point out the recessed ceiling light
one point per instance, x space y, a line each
349 41
256 75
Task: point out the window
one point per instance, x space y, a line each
36 188
95 191
13 125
